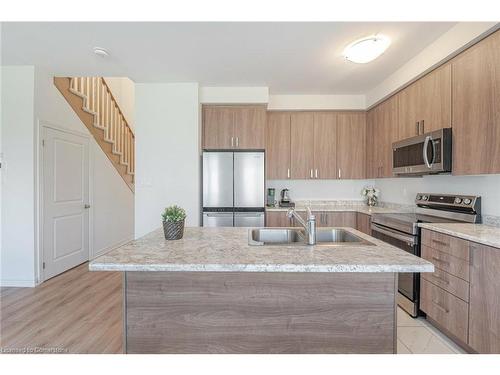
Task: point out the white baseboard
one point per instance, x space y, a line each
112 247
17 283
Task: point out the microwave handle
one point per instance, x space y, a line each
428 140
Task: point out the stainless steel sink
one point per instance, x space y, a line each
275 236
292 236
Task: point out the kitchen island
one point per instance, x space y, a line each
212 292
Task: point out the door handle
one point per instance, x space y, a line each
86 206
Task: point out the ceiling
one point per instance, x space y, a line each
289 58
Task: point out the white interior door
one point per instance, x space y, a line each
65 201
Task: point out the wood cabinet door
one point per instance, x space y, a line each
278 146
351 145
434 111
249 127
476 108
340 219
363 223
277 219
484 305
408 111
371 143
218 127
325 145
302 145
387 133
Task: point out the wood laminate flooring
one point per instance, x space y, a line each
81 312
76 312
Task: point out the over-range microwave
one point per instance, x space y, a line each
428 153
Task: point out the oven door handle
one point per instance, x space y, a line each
410 240
428 140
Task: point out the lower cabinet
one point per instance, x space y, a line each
364 223
462 295
323 219
277 219
484 311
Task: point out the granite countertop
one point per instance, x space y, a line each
364 209
226 250
480 233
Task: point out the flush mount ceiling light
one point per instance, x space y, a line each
367 49
101 52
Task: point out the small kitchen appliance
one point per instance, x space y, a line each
271 193
285 200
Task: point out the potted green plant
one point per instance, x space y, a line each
173 222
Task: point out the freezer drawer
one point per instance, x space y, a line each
249 219
217 219
217 179
249 190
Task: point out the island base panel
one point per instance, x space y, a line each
225 312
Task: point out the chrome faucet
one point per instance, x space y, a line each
309 226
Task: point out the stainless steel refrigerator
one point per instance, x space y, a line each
233 189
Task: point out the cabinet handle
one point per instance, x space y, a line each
311 173
316 173
288 172
237 141
232 141
438 305
423 128
440 260
441 242
417 127
440 279
339 173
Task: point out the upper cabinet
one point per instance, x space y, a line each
233 127
425 105
382 131
316 145
325 145
476 108
302 145
278 146
351 145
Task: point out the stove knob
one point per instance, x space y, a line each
467 201
419 197
458 200
425 197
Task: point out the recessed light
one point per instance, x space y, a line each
367 49
101 52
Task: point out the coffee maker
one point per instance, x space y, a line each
285 200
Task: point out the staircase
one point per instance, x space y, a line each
94 104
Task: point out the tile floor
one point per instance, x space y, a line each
418 336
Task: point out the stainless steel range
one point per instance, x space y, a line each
402 231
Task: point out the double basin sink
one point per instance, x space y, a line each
298 237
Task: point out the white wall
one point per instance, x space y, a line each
320 189
112 201
167 152
18 191
29 98
316 102
403 190
123 90
228 95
